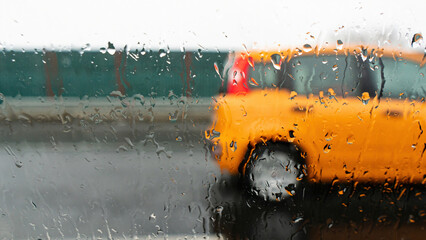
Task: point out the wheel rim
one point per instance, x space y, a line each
273 176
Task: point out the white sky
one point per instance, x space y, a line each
221 24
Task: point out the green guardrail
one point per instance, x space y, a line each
97 74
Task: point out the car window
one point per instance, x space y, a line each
311 74
263 75
402 78
346 75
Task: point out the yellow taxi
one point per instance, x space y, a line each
323 114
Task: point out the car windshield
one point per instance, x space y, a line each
347 75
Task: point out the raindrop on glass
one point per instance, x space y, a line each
253 82
152 217
233 146
216 68
417 39
350 139
339 44
251 62
276 61
365 98
111 48
18 164
307 48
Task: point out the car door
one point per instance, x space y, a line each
397 143
339 124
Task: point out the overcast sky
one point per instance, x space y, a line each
194 24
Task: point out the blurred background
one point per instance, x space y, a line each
104 104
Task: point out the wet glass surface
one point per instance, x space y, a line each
200 121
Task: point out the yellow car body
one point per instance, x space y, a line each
362 136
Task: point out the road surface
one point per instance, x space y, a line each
156 180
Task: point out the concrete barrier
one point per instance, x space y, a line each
138 108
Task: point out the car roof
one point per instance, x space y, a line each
367 50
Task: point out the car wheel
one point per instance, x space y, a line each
273 171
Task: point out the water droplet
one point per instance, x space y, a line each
253 82
331 93
102 50
216 68
350 139
117 94
291 134
162 53
307 48
382 218
129 142
121 148
276 61
293 94
327 148
251 62
24 118
53 141
152 217
212 134
234 74
219 209
417 39
411 219
328 137
329 223
19 164
139 97
334 67
161 149
111 48
324 61
365 98
364 54
339 44
245 48
9 151
233 146
200 54
85 48
174 116
299 219
244 111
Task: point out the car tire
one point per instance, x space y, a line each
273 171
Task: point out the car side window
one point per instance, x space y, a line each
402 79
262 75
344 74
